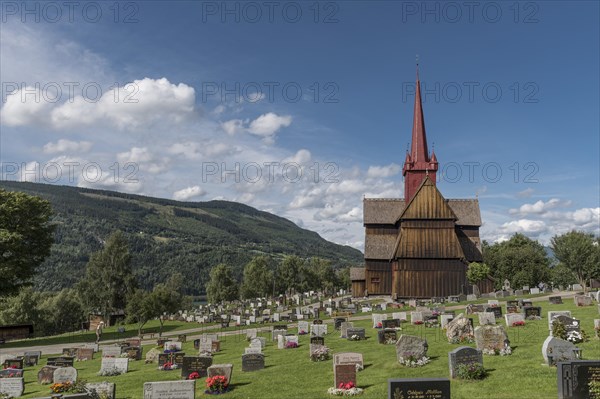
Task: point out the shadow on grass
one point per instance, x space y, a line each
365 366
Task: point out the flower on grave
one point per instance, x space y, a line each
379 325
302 332
345 392
354 337
291 345
60 387
193 376
574 337
433 323
217 383
471 371
359 367
167 366
320 355
418 322
346 385
409 359
533 317
518 323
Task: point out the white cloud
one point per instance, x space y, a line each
233 126
267 125
144 159
64 145
188 193
525 193
525 226
384 171
25 107
540 207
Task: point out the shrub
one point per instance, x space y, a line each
471 371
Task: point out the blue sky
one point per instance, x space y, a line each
324 89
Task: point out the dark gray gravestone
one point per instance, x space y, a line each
199 364
108 389
360 332
178 358
555 300
570 323
165 358
13 363
85 354
317 340
532 311
71 352
32 358
384 336
574 377
337 322
430 388
497 310
463 355
197 344
134 352
512 303
390 323
512 309
318 321
253 362
60 361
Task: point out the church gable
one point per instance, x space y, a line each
428 203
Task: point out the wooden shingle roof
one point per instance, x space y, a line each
388 211
379 246
357 273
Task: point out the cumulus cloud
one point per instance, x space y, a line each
144 159
525 193
188 193
265 126
64 145
384 171
526 226
25 107
539 207
233 126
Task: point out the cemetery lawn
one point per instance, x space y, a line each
289 373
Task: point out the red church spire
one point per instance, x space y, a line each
418 164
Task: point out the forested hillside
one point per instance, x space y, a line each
167 236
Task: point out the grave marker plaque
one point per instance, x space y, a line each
555 300
13 387
198 364
253 362
46 375
463 355
31 358
348 358
84 354
170 390
60 361
65 374
359 332
387 336
429 388
574 377
343 374
317 340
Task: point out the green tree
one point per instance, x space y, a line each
258 278
580 253
168 298
562 276
26 236
326 276
222 285
477 272
141 307
288 274
108 280
309 277
62 312
520 260
343 276
23 308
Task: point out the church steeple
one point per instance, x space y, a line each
418 163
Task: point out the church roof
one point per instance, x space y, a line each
357 273
428 203
379 246
388 211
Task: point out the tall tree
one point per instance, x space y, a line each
521 260
327 278
477 272
141 307
258 278
62 312
288 274
108 280
26 236
222 285
580 253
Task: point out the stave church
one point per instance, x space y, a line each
418 246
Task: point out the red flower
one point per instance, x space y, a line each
346 385
193 376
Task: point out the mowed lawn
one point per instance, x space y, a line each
290 373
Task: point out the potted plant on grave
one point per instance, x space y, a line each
345 389
216 385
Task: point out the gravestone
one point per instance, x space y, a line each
319 330
399 315
170 390
16 363
534 291
281 342
343 374
387 336
84 354
512 318
460 328
277 332
111 351
172 345
486 318
582 300
337 322
164 358
491 337
556 350
251 333
555 300
178 358
260 341
574 377
13 387
410 345
391 323
253 362
70 352
344 329
570 323
65 374
221 369
512 309
317 341
463 355
425 388
355 331
46 374
552 315
215 346
198 364
103 389
348 358
60 361
252 350
303 327
31 358
152 355
133 342
532 312
182 338
445 319
496 310
416 317
118 363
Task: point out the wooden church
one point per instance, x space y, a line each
419 246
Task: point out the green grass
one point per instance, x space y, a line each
289 373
